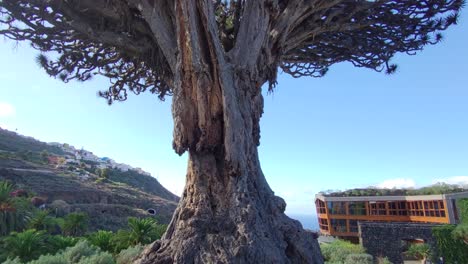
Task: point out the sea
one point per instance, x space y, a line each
307 221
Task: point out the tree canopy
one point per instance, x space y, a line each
133 42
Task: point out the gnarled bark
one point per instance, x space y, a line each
231 219
228 213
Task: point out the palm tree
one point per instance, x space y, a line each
6 208
140 231
75 224
420 251
41 220
14 211
102 239
27 245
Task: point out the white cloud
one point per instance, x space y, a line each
6 110
461 180
397 183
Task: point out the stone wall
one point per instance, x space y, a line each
386 239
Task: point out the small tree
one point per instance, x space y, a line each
75 224
42 220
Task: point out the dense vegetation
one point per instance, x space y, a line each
438 188
37 236
452 240
108 196
343 252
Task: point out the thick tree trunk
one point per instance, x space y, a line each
226 219
227 213
231 215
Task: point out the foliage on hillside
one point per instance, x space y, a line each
47 245
143 182
438 188
10 141
107 196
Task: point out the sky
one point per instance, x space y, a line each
352 128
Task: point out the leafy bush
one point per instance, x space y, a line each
338 250
419 251
461 232
98 258
129 255
12 261
358 259
81 253
451 249
26 245
81 250
50 259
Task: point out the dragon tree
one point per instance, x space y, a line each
213 58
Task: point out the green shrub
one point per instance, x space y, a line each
358 259
338 250
50 259
419 251
98 258
461 232
462 204
81 253
12 261
129 255
453 250
82 249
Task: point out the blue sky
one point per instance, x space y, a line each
352 128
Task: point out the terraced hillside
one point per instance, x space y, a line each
108 199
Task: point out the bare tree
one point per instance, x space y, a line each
213 57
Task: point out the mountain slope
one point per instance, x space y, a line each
69 184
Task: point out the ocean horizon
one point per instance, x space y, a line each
308 221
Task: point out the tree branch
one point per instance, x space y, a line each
105 37
365 33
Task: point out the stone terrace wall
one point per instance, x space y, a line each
385 239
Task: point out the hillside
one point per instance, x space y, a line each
75 180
